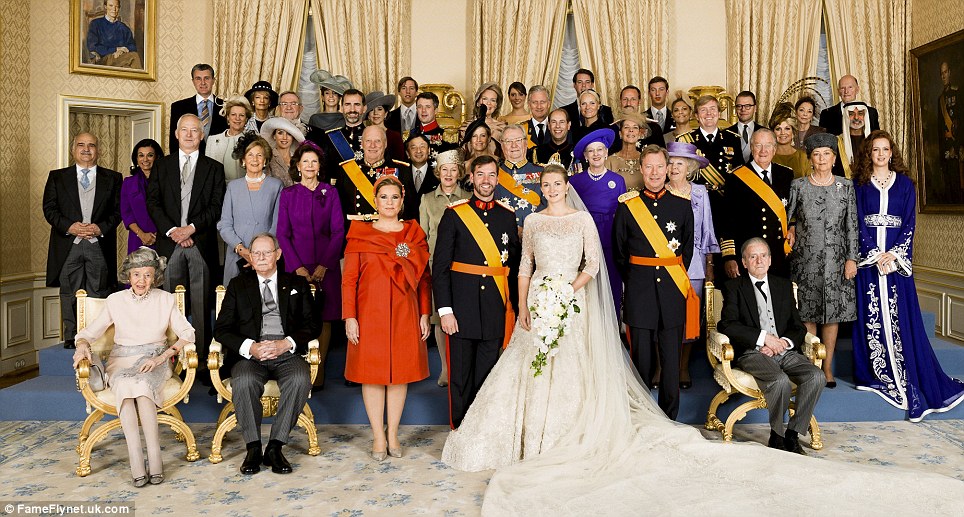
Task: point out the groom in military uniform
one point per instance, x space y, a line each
474 276
652 243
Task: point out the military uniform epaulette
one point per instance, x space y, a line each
628 195
454 204
505 205
339 128
728 130
406 164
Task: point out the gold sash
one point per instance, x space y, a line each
710 173
760 188
516 188
358 178
491 253
675 267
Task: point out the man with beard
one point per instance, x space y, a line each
342 143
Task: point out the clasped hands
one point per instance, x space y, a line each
887 263
317 276
84 230
773 346
181 236
271 349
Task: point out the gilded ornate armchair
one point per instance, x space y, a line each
451 109
733 380
105 403
269 401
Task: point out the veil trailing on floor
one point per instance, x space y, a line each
623 456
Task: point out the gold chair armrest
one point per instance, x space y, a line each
719 346
215 362
814 350
83 373
215 359
188 356
314 355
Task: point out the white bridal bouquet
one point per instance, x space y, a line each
551 311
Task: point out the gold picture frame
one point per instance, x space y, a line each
97 43
937 77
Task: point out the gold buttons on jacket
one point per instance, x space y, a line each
483 288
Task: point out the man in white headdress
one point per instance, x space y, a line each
850 141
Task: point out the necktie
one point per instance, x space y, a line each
660 117
185 170
85 181
409 120
539 132
268 297
205 116
746 139
759 286
766 176
418 179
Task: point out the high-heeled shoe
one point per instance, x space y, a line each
831 384
395 452
140 482
379 455
442 384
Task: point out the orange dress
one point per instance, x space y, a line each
386 286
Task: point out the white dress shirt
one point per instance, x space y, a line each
273 287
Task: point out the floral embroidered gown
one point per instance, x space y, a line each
516 415
892 355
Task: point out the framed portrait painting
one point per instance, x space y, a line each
114 38
937 70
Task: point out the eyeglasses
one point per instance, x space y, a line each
289 104
744 106
513 141
762 146
263 254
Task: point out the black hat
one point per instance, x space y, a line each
477 123
263 86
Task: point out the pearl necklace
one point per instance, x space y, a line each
256 180
813 179
595 177
882 184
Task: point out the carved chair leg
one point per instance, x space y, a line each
223 429
713 422
738 415
89 422
83 469
309 425
227 410
816 442
181 429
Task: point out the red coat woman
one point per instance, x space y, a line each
386 300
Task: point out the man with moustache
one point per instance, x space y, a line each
355 178
519 179
652 240
834 119
342 143
473 278
849 143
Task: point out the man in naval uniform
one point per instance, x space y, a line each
519 184
355 179
652 267
473 276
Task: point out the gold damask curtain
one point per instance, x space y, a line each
113 134
869 40
257 40
368 41
622 42
771 45
517 40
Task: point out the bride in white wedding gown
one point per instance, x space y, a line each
587 438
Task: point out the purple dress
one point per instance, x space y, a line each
892 355
311 232
133 207
704 236
601 198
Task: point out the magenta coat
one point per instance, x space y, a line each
133 207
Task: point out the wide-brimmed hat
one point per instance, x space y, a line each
378 98
470 129
633 116
818 140
263 86
686 150
335 83
606 136
269 126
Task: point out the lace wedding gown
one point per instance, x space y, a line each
587 438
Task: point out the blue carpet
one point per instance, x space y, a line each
53 395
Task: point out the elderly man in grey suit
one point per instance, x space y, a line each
265 324
760 317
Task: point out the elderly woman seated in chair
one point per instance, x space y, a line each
140 361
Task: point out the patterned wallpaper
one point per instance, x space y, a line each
183 40
938 243
15 155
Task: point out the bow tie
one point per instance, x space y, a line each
484 205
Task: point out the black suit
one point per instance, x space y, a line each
654 308
393 120
669 123
189 106
832 119
735 129
475 300
195 267
240 319
575 117
413 196
746 215
83 265
740 321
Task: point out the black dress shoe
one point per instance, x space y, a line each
351 384
792 443
831 385
685 385
274 459
776 441
252 461
69 344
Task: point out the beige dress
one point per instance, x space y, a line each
140 334
628 169
797 161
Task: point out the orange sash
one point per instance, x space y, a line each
491 253
516 188
760 188
673 264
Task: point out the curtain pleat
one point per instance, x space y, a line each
622 41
